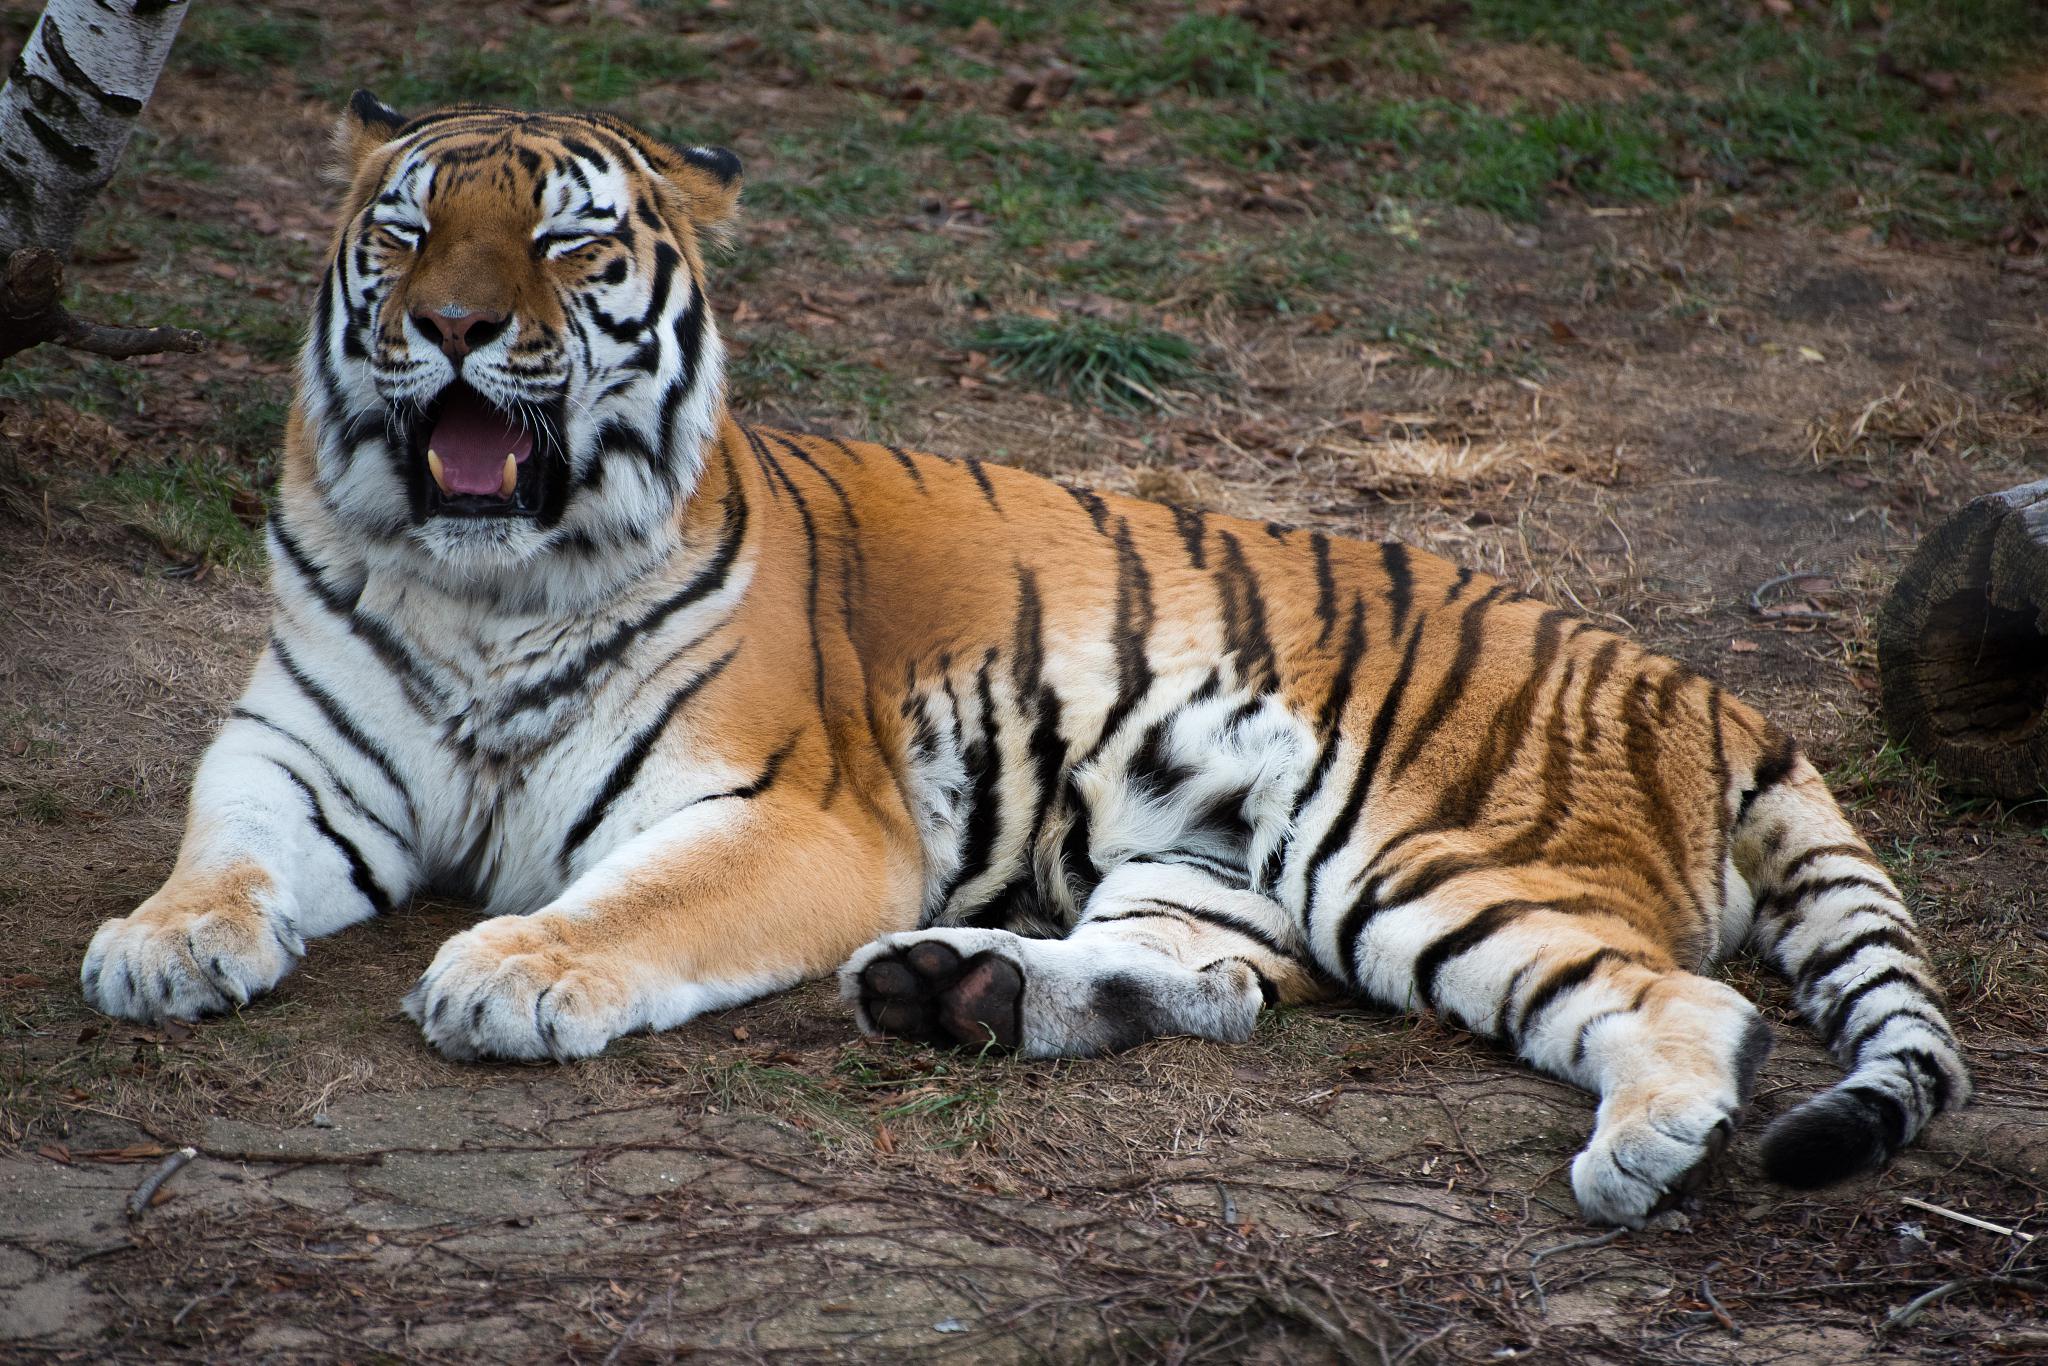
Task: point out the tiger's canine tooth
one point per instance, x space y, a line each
434 468
511 478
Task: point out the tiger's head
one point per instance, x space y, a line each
512 355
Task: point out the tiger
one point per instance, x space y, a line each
696 710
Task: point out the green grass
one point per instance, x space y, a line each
1120 366
188 507
222 39
1201 54
785 371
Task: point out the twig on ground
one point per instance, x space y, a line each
285 1159
229 1284
631 1330
1756 598
154 1182
1904 1315
1720 1312
1598 1240
1969 1219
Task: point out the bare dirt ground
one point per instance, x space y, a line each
1645 412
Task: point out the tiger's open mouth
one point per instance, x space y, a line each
468 458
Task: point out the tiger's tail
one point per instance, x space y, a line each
1830 919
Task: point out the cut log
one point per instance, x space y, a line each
1962 645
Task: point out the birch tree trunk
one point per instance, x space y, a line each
70 102
68 107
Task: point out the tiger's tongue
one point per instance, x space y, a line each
473 438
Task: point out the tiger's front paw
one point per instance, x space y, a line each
1648 1155
510 988
195 948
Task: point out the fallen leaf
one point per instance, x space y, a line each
1562 331
56 1152
1741 646
1811 355
885 1139
742 1033
1895 306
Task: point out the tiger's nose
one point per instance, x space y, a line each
457 331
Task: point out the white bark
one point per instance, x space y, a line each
70 102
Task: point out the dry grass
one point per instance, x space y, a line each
1921 419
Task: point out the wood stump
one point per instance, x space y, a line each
1962 645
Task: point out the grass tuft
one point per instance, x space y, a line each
201 509
1124 367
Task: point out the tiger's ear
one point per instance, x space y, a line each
367 124
709 179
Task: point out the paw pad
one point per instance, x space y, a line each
928 993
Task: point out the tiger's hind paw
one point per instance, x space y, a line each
928 991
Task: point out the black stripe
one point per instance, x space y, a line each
1854 1045
1786 900
984 760
1501 746
1555 985
705 582
1467 937
1844 1006
1771 770
1326 586
326 771
1589 700
1471 632
1329 727
845 450
358 867
1098 511
988 490
1821 965
1037 698
1244 618
1925 1064
1352 927
1400 585
909 466
1592 1022
623 772
853 567
760 783
1821 851
343 725
803 508
1258 934
1641 730
1192 524
373 633
335 601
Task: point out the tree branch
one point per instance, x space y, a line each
30 315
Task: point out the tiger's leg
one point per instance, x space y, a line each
1161 948
728 899
1584 997
299 825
